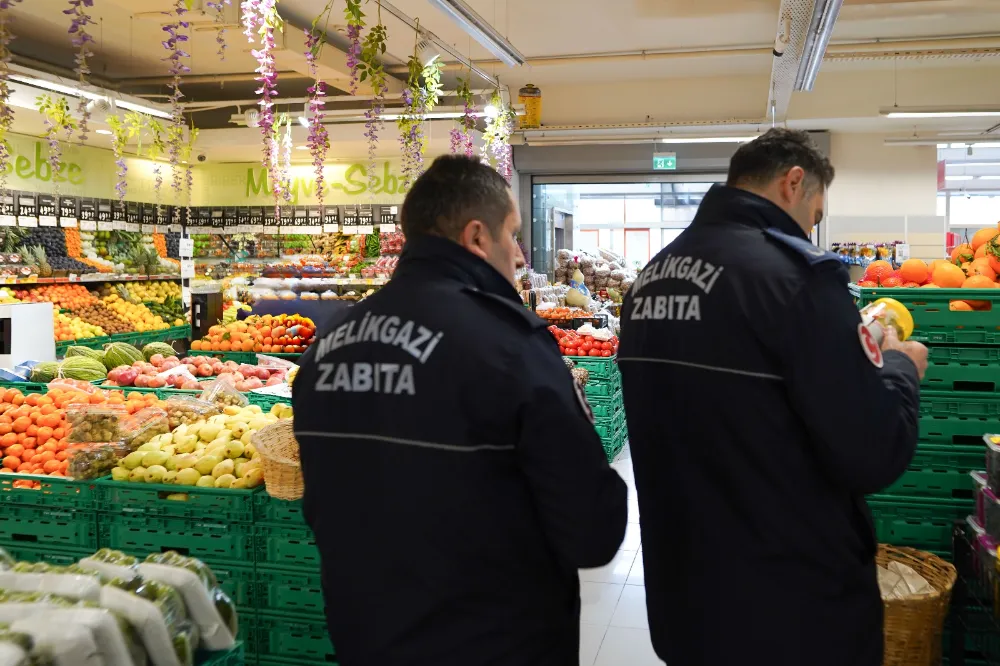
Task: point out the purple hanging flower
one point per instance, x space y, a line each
220 18
261 17
355 22
251 19
6 110
319 138
175 133
81 40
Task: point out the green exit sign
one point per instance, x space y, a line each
665 162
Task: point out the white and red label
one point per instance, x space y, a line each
870 345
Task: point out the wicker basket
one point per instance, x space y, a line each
913 626
280 453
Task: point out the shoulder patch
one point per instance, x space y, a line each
523 314
812 254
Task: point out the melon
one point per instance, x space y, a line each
119 353
83 368
77 350
154 348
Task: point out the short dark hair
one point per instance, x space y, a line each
454 191
773 153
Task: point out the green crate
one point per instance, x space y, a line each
599 368
963 369
953 403
289 592
286 547
55 492
26 552
231 657
925 524
222 504
939 471
960 430
609 428
276 511
91 343
249 358
602 389
177 333
48 526
293 640
26 387
606 407
935 322
142 535
266 402
238 581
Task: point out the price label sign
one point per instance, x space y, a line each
8 205
88 210
147 213
68 222
187 269
133 212
104 211
47 205
48 221
103 225
69 209
147 228
27 222
186 247
26 206
118 212
88 225
8 221
331 220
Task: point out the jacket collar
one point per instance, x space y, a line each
431 256
723 204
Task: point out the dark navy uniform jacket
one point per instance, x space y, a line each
757 425
453 479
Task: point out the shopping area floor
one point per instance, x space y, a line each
613 625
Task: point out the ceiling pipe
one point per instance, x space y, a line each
292 101
204 78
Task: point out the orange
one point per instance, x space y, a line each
21 424
981 267
196 345
914 270
959 306
962 253
948 276
931 286
984 236
978 282
11 462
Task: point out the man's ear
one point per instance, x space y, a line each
474 238
792 183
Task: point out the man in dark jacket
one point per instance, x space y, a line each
453 476
758 421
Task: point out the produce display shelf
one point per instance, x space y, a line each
293 640
55 492
290 592
174 501
939 471
208 541
27 552
90 343
286 547
963 369
274 511
925 524
90 278
266 401
934 320
48 527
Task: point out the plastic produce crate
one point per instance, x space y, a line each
939 471
276 511
48 527
963 369
293 640
608 428
220 504
208 541
266 402
289 592
26 552
286 547
606 407
935 322
233 657
237 580
960 430
602 388
953 403
925 524
599 368
55 492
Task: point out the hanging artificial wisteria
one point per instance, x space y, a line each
421 95
372 49
189 172
461 135
57 118
6 110
123 130
355 22
81 41
260 18
175 132
286 158
156 149
220 19
496 149
319 138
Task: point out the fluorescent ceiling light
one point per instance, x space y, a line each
939 112
973 164
103 131
958 177
989 178
709 139
477 28
76 92
303 121
825 13
301 147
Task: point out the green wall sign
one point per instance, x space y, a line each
665 162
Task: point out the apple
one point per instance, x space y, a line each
157 382
156 359
204 370
127 377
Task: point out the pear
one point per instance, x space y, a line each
232 410
259 422
178 497
254 477
171 464
206 464
151 445
219 419
235 449
155 474
119 474
192 429
249 451
238 428
180 430
223 468
165 439
207 481
187 477
169 449
137 475
254 409
133 460
224 481
239 483
216 450
154 458
170 477
209 431
183 461
246 437
186 443
224 435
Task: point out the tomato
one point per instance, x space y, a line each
572 343
605 353
586 347
606 346
595 352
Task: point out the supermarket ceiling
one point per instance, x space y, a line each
647 61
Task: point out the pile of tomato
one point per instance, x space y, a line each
572 343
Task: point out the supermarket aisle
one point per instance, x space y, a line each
613 625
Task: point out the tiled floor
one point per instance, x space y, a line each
614 630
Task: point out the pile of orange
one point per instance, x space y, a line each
290 334
65 296
973 265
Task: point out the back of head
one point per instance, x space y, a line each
756 164
454 191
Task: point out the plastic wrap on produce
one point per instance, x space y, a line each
111 643
63 644
12 655
216 632
85 588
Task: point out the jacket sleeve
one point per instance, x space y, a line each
862 420
581 501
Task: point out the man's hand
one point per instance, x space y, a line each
915 350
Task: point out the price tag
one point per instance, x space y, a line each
311 229
88 225
73 277
331 228
133 227
187 268
47 221
175 228
186 247
349 230
105 225
68 222
148 228
366 229
186 296
27 222
353 276
387 228
119 225
8 221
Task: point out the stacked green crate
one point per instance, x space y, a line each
212 524
291 625
959 402
604 393
56 523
